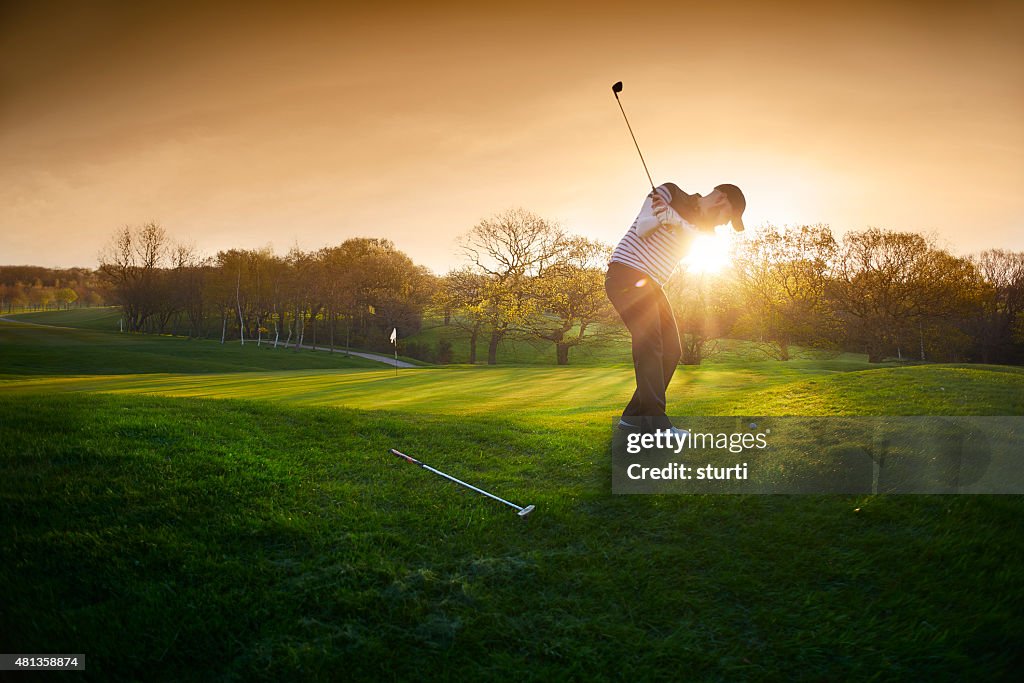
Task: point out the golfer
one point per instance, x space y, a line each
641 264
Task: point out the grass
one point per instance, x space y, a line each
99 318
268 535
246 540
587 396
514 350
511 351
40 350
106 319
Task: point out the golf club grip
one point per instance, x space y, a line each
407 458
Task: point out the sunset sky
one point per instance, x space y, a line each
246 125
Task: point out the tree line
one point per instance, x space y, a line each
39 288
884 293
350 294
524 276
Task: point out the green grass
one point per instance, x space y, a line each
515 350
100 318
268 535
511 351
248 540
589 395
39 350
106 319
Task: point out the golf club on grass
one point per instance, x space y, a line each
616 89
523 511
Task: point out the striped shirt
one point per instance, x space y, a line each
659 251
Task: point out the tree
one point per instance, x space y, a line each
571 306
189 281
173 286
893 287
512 250
275 273
65 296
83 281
16 298
1001 304
782 277
130 267
231 289
462 290
443 300
705 308
371 274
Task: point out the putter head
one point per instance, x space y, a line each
525 511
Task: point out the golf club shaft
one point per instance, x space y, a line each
634 141
409 458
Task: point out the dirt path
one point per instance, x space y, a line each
379 357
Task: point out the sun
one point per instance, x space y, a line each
709 253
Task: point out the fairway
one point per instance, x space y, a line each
234 514
589 395
38 349
101 318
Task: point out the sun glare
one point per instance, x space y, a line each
708 254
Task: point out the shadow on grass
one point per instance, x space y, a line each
195 539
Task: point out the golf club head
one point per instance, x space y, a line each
617 88
525 511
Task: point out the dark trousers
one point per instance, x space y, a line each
647 314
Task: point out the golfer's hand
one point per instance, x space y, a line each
661 209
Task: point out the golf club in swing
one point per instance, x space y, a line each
522 511
616 89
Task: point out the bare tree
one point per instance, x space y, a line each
510 249
130 266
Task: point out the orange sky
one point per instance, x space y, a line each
243 125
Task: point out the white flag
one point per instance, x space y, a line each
394 335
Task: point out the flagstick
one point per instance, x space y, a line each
394 340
